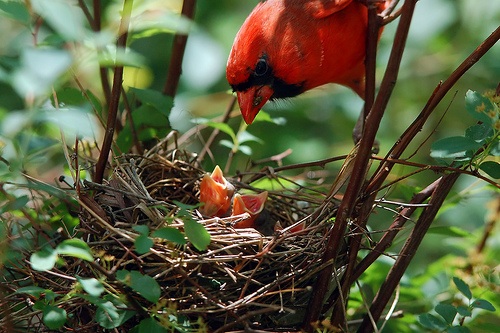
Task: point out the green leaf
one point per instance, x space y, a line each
432 322
143 244
92 286
15 10
245 149
44 260
75 248
110 312
141 228
149 325
31 290
147 115
197 234
450 231
462 287
447 311
458 329
32 78
464 311
266 117
155 99
479 132
227 144
54 317
492 168
73 121
479 107
63 16
145 285
170 234
245 136
495 148
453 147
120 57
483 304
223 128
16 204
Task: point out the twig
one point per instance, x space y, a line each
178 47
346 207
115 95
439 92
408 251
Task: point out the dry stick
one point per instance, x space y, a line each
115 96
336 234
178 47
374 23
408 251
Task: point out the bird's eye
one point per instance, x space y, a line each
261 67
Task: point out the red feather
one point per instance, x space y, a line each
286 47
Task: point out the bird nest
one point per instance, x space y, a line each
241 279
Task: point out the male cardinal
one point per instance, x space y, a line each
286 47
215 194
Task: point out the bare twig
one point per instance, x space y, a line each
178 47
408 251
347 205
115 95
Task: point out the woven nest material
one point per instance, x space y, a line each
243 279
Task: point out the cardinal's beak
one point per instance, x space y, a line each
215 194
252 100
252 204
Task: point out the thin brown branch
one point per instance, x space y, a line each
374 24
178 47
115 96
408 251
347 205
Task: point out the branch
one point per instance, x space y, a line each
347 205
115 95
178 47
408 251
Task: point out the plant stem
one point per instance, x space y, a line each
115 95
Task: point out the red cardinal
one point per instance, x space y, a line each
248 203
215 194
286 47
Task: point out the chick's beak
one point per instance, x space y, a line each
252 204
252 100
215 194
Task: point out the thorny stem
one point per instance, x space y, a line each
178 47
115 96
